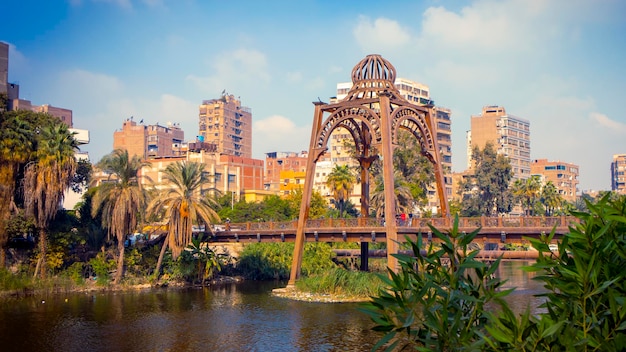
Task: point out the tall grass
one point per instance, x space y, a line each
338 281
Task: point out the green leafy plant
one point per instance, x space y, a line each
586 288
437 300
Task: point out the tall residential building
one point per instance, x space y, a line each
149 141
563 175
510 136
618 170
227 124
4 67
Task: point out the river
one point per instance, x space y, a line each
231 317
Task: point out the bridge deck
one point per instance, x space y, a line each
372 230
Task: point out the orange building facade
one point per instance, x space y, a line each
149 141
563 175
278 162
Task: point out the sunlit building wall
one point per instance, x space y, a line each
563 175
227 124
510 136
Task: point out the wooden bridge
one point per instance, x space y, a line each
500 229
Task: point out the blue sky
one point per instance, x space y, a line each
560 64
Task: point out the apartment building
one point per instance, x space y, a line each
279 162
510 136
4 67
149 141
227 124
618 170
563 175
226 174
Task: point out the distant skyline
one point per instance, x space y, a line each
558 64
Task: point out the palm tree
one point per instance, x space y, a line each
46 178
403 195
183 205
121 200
527 192
341 180
15 148
551 198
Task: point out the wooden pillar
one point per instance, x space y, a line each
306 198
441 182
365 162
390 204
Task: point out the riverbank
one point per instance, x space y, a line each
91 286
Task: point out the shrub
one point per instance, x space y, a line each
437 301
586 284
266 261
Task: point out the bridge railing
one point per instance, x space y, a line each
440 223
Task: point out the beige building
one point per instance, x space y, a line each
149 141
227 124
226 173
618 171
510 136
563 175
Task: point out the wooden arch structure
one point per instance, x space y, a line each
372 112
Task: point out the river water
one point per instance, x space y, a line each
232 317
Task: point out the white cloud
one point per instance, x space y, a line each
234 69
278 133
606 122
380 34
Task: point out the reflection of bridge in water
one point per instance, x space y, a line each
500 229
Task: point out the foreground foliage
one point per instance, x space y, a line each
438 301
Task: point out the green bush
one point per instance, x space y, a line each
586 283
266 261
102 268
437 301
444 300
75 272
10 281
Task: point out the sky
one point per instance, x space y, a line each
561 64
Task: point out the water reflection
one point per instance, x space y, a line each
237 317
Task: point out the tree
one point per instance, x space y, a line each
402 194
16 143
317 208
486 192
46 178
527 192
121 200
183 205
340 181
551 198
414 170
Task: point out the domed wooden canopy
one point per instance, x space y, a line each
371 76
